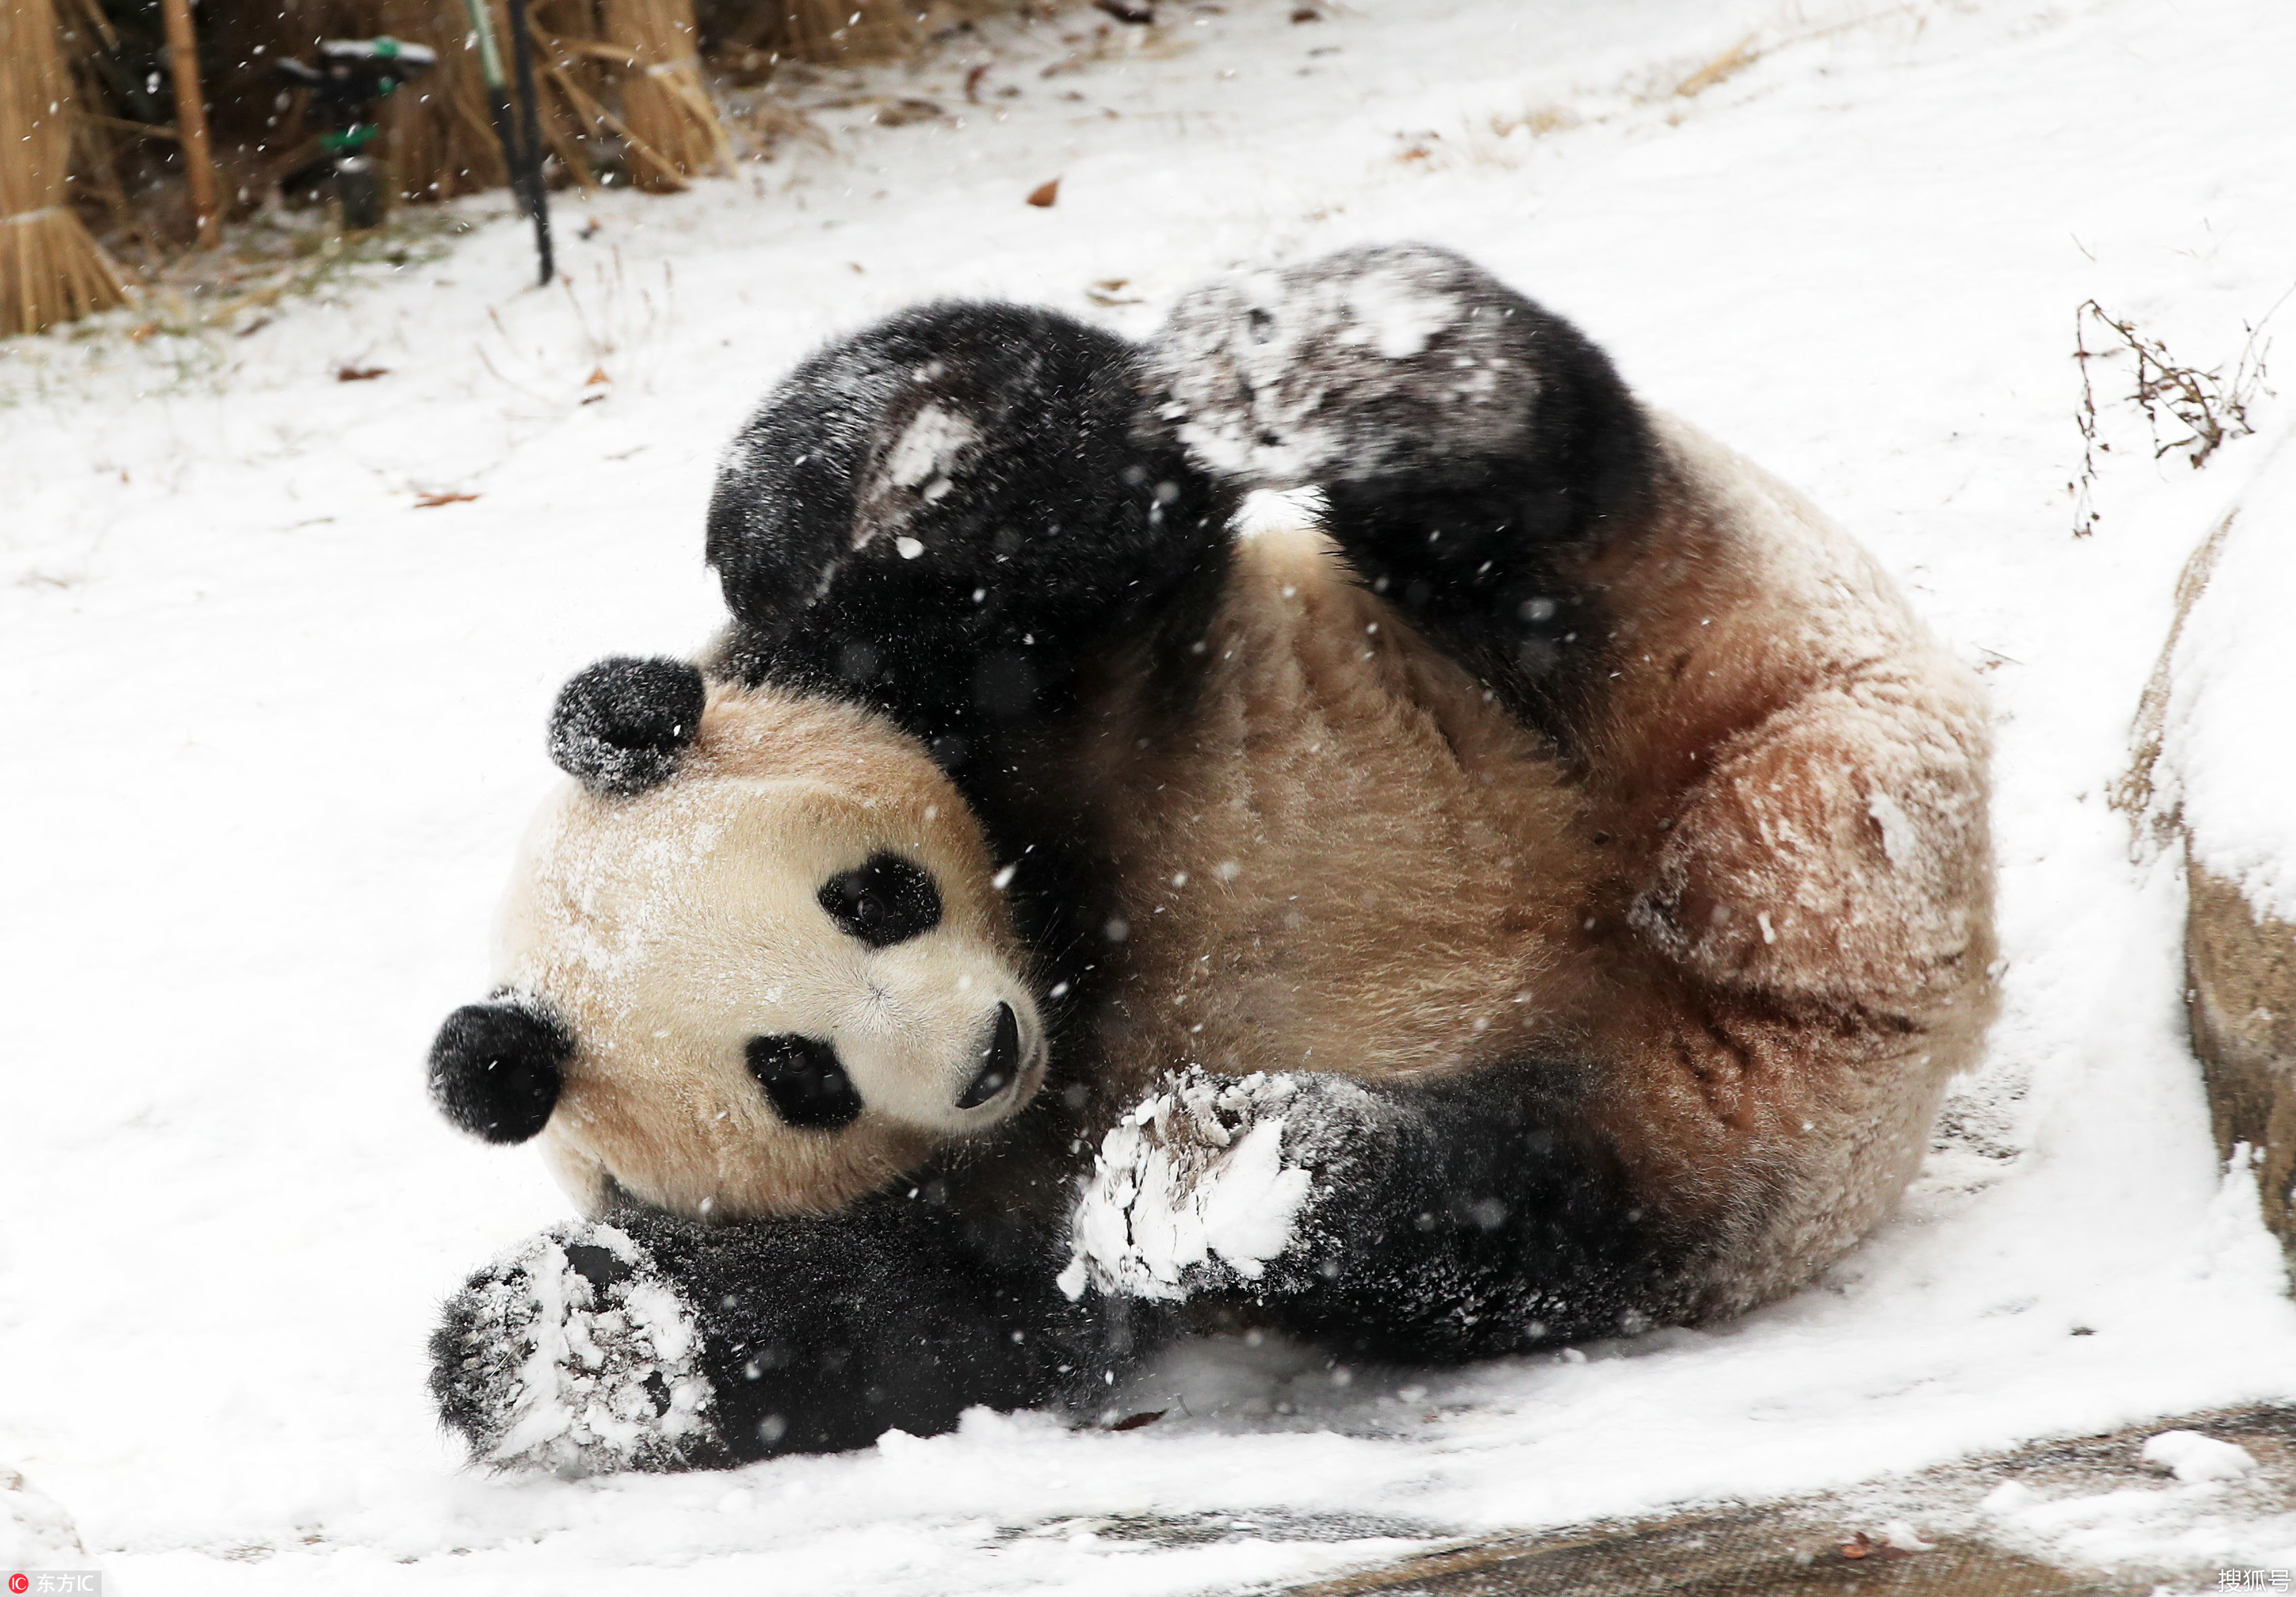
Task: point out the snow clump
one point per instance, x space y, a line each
1190 1190
2190 1456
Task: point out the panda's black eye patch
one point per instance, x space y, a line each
887 901
802 1076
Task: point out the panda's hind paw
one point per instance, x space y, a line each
1396 359
572 1355
1210 1184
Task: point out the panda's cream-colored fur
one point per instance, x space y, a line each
1749 920
1755 928
670 927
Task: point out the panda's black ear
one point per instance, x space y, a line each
495 1069
620 725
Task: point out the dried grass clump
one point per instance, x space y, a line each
2211 407
846 31
623 89
438 132
619 88
617 84
666 109
51 270
1722 69
617 76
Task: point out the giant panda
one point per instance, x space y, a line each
1540 895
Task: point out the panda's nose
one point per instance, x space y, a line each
1000 1061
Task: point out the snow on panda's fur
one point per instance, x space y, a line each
1545 897
742 1047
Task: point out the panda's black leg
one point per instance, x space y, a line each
1468 445
648 1342
946 514
1425 1222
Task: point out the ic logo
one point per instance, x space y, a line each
19 1584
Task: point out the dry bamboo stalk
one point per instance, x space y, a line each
90 15
437 130
51 270
611 73
589 115
441 140
820 30
664 105
192 119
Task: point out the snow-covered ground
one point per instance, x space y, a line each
269 732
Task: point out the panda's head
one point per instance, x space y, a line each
754 959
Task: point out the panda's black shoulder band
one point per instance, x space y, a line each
496 1068
619 725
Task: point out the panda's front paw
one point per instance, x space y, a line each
572 1353
1210 1184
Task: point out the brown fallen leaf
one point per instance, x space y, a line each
1135 1421
1108 291
597 376
901 113
1045 194
972 83
1862 1545
433 501
360 373
1128 11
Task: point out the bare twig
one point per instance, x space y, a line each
2211 408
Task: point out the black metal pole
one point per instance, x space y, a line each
525 176
506 134
522 51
